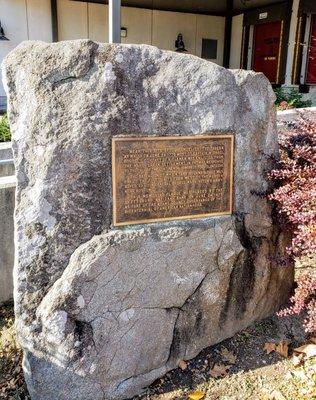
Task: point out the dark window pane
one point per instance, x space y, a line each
209 48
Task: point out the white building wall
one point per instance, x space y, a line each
13 19
138 21
98 22
139 25
167 25
72 20
24 20
39 20
159 28
31 20
236 41
210 27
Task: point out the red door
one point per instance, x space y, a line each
311 60
266 46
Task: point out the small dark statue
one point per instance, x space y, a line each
179 44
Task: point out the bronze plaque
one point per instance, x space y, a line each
168 178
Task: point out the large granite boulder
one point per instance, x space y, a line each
101 311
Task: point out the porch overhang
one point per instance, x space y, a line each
207 7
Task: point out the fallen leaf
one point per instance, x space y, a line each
182 365
308 349
197 395
283 348
277 395
300 374
228 356
219 370
269 347
288 376
297 360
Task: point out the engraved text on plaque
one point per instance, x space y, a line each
167 178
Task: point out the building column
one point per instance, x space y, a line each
228 32
53 5
291 45
114 21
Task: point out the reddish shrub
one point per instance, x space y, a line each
295 196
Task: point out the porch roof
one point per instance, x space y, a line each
210 7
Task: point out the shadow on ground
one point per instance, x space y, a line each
252 374
252 365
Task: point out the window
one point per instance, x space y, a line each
209 49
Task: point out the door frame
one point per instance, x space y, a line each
277 12
305 50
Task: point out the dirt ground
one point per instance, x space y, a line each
236 369
253 375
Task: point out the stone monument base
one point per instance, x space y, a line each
132 303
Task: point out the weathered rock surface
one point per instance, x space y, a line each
102 312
